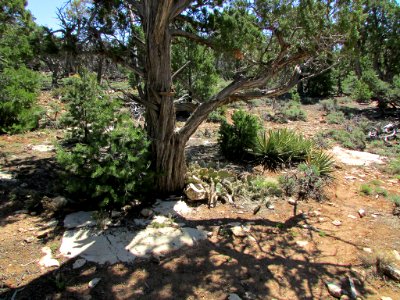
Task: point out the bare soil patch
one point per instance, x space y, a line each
280 256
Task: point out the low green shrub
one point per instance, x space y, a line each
335 117
354 139
366 189
329 105
373 188
293 112
236 139
305 183
218 115
105 157
394 166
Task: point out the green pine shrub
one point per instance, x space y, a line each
361 92
19 89
105 157
236 139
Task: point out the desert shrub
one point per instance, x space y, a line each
329 105
305 183
366 189
266 187
394 166
373 188
218 115
335 117
395 199
18 93
237 138
352 139
105 157
293 112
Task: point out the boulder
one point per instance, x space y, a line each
196 192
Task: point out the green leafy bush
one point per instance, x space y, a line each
394 166
18 95
335 117
236 139
105 156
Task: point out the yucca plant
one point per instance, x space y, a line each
322 161
281 147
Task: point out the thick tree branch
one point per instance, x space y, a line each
192 36
179 71
232 93
180 6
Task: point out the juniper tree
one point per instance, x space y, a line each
264 44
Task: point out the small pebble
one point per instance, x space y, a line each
92 283
337 222
361 213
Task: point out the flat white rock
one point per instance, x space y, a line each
356 158
79 219
43 148
234 296
122 244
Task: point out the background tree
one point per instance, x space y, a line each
18 84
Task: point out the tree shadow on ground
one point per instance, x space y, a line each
265 264
33 178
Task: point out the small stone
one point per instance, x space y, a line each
352 217
33 213
334 289
234 296
44 233
337 222
79 263
115 214
196 192
20 212
29 239
386 298
344 297
321 219
92 283
368 250
302 243
396 255
271 207
54 204
210 234
146 212
22 230
238 231
361 213
292 201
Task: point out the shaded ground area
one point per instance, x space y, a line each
275 255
